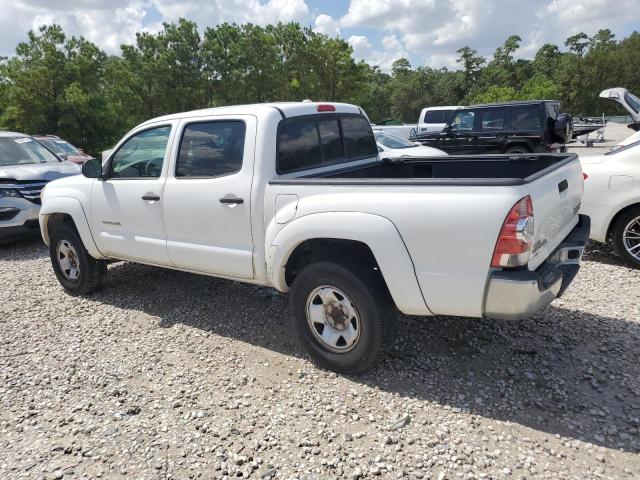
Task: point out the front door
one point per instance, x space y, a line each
460 138
207 197
126 208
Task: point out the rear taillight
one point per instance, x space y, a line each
585 176
326 108
516 237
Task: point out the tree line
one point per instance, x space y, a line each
70 87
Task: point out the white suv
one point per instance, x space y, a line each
433 119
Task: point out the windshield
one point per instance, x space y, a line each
58 146
391 141
23 151
633 101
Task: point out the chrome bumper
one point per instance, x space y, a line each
518 294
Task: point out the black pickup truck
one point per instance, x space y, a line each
513 127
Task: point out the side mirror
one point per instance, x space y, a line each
92 168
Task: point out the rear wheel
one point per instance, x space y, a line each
77 271
517 149
626 237
344 317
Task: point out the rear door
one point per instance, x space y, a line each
526 123
207 196
492 130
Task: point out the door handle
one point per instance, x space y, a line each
150 197
231 200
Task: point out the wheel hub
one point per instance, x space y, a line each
333 319
336 316
68 260
631 238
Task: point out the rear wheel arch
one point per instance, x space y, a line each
374 238
510 147
336 250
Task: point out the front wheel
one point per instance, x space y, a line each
626 237
344 317
77 271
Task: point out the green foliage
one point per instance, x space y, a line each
68 86
496 94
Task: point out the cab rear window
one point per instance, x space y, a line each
321 140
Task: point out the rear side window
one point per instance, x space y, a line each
526 118
322 140
211 149
299 146
437 116
358 138
492 119
331 140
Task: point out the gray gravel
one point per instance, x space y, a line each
169 375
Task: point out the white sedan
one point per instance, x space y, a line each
393 147
612 200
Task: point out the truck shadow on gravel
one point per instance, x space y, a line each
602 253
563 372
23 249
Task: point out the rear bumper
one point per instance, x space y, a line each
518 294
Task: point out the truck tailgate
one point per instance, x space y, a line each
556 197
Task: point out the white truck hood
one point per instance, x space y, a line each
39 171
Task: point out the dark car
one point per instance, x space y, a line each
515 127
62 148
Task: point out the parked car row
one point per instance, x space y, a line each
26 166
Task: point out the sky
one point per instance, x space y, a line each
427 32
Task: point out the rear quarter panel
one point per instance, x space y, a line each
613 184
449 231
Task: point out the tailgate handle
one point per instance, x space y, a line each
562 186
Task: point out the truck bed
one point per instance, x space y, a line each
449 211
481 170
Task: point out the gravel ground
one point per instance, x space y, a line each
168 375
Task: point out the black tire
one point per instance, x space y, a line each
517 149
563 128
368 295
617 236
90 271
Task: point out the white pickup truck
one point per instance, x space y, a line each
294 196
